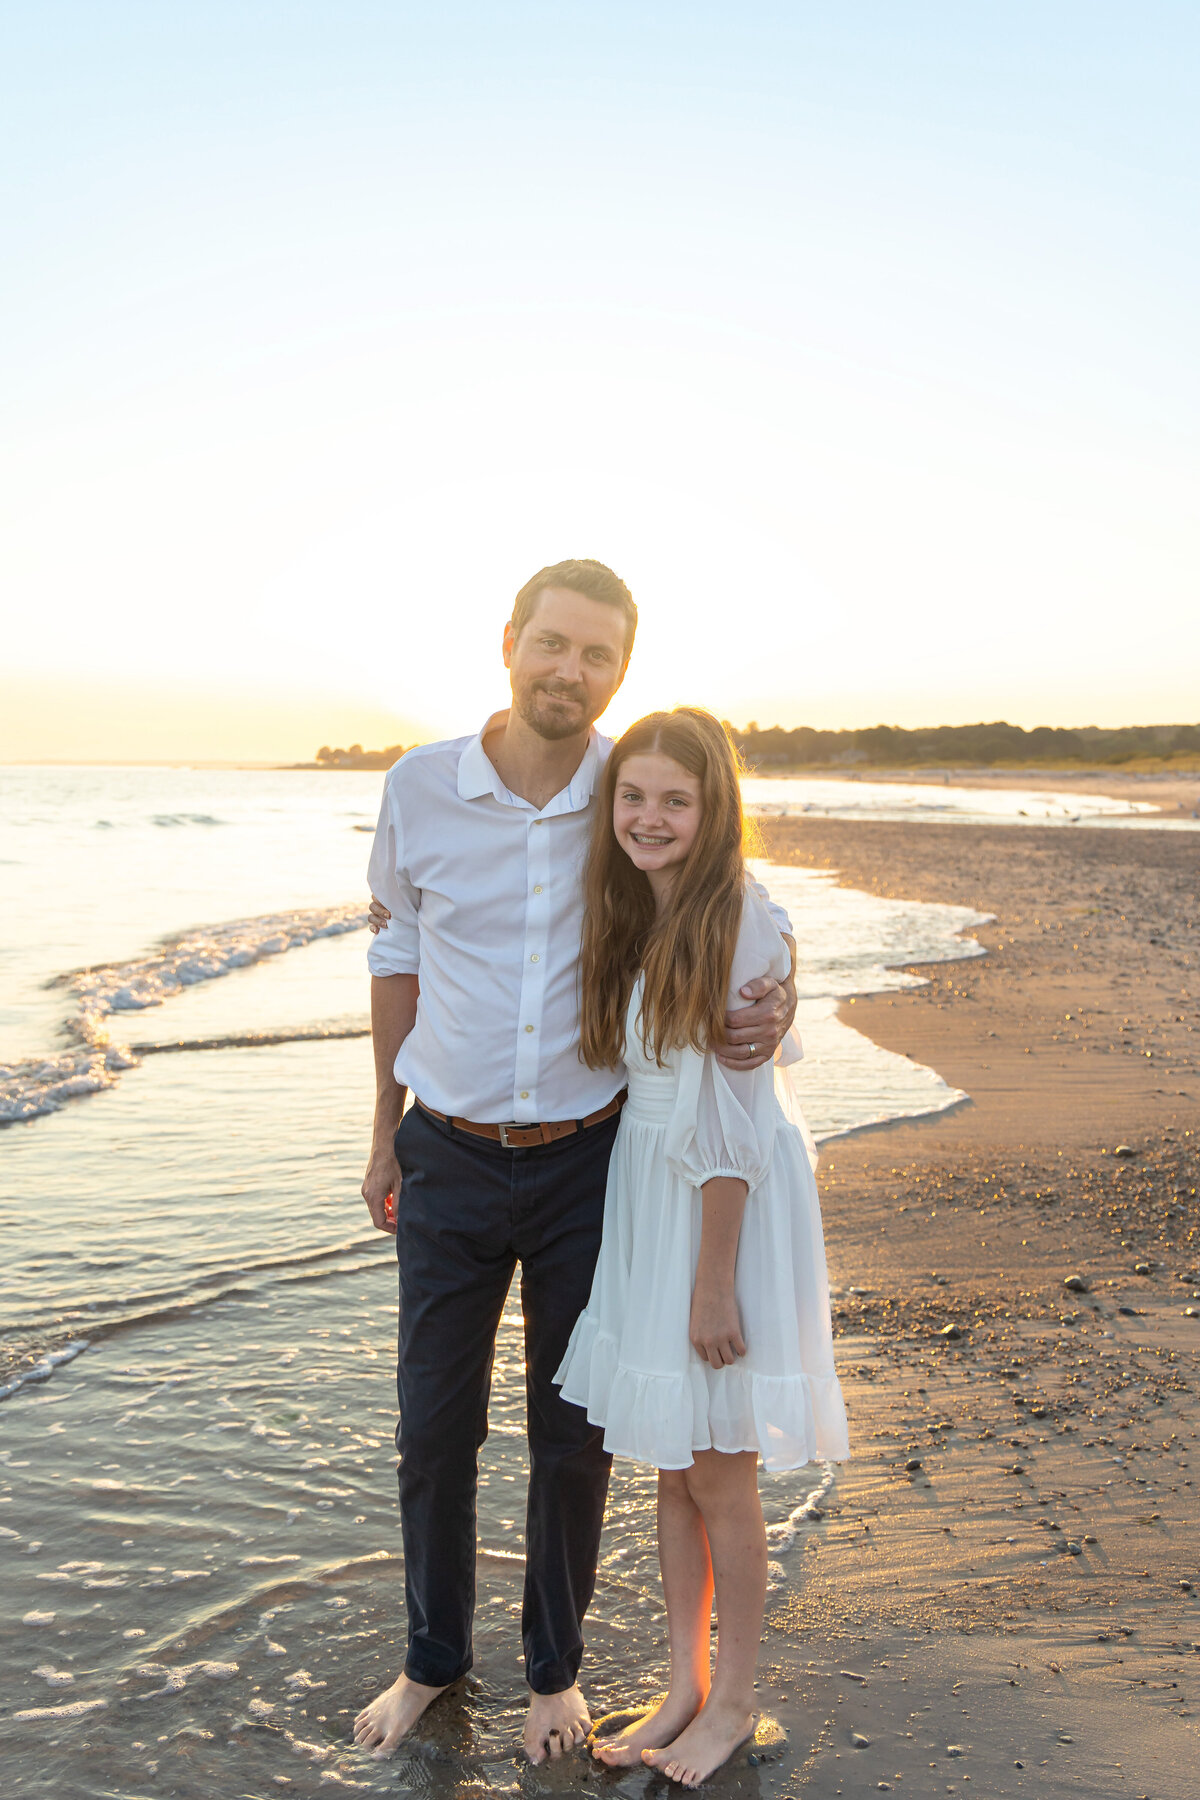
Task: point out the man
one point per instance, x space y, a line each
503 1156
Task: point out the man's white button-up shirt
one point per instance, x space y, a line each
486 898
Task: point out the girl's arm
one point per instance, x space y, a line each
715 1329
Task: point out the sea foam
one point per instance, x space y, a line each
96 1060
44 1367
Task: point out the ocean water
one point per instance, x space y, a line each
197 1504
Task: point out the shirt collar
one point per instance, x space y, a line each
477 774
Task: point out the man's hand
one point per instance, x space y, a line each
377 916
715 1328
753 1033
380 1188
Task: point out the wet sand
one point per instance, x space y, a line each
1009 1561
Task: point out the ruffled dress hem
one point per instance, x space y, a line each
663 1419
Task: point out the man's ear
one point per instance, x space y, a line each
510 638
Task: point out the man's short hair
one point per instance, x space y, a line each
583 575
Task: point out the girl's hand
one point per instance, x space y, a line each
715 1328
377 916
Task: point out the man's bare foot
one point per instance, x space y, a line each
556 1723
710 1740
650 1732
392 1714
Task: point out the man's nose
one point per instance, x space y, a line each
570 667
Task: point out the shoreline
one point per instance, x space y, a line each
1018 1522
1169 789
1128 777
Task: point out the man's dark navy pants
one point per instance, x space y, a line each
468 1212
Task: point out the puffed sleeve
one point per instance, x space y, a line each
724 1121
395 950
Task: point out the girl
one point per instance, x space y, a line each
706 1341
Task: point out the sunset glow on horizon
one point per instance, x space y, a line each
860 343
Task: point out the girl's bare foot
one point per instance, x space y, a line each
649 1732
710 1740
556 1723
392 1714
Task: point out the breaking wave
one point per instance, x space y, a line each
95 1059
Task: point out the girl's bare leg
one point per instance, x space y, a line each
688 1590
725 1490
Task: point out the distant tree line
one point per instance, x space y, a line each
951 744
880 745
357 758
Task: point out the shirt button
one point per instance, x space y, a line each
529 1028
524 1093
537 890
535 957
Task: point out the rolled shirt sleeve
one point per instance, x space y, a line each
396 950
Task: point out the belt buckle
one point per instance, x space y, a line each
504 1131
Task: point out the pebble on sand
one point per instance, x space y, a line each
1076 1284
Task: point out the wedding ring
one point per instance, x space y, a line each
753 1048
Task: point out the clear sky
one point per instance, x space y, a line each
859 338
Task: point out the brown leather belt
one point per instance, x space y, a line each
525 1137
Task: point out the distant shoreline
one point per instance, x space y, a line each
1168 785
1183 767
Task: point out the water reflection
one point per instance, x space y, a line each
201 1542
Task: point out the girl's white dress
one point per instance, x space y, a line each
630 1361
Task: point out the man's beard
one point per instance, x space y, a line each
551 722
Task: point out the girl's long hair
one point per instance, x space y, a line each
686 956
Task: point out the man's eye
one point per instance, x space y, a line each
600 656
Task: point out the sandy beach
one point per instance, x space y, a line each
999 1598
